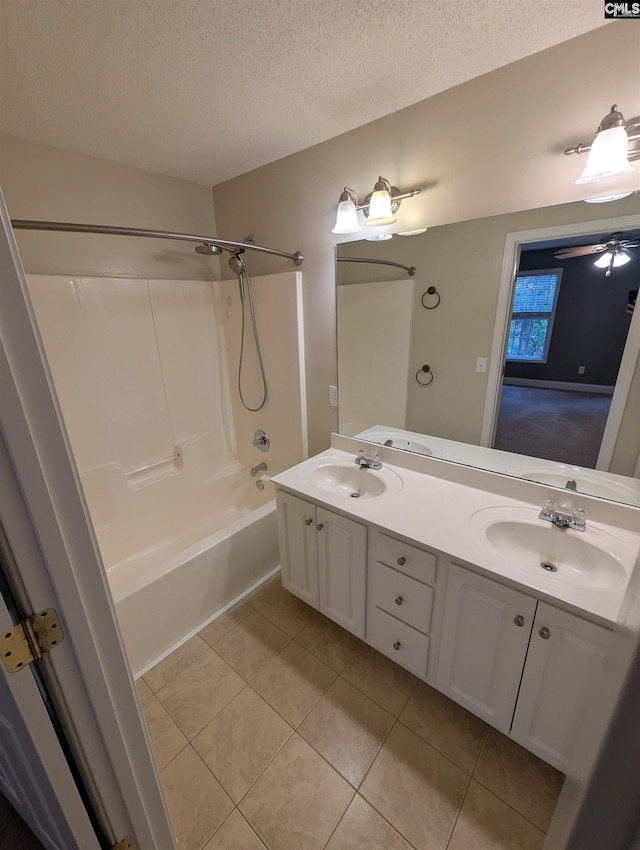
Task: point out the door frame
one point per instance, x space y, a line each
510 261
58 565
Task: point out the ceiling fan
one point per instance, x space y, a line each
614 252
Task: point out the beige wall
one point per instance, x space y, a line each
490 146
41 182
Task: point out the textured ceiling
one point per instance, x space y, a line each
209 89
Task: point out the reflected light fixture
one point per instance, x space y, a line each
380 207
613 258
609 152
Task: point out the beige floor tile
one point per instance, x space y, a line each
241 741
264 591
175 663
287 612
294 682
166 739
144 691
235 834
381 679
225 623
527 784
196 801
362 828
196 695
251 645
347 729
445 725
416 789
298 800
331 643
486 823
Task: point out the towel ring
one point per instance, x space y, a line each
431 291
427 370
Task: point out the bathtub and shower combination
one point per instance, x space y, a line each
148 379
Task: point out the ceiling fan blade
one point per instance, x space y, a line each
579 251
625 243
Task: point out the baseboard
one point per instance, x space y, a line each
559 385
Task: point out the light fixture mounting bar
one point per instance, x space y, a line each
394 197
633 134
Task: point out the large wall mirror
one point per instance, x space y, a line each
523 361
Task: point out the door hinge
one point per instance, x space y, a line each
30 639
125 844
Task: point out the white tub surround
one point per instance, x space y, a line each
145 372
439 567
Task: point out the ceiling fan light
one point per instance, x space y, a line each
608 156
603 260
621 258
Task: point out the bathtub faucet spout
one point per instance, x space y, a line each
256 470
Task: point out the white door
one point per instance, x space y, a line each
57 565
34 775
298 546
342 570
565 662
484 641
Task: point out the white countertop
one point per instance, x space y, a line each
436 512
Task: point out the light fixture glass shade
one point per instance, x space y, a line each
603 260
621 258
347 218
380 209
608 156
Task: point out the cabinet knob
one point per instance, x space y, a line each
544 633
519 620
308 521
399 600
402 560
320 526
397 645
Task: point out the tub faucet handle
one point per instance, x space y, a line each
261 441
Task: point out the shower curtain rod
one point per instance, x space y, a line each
410 270
69 227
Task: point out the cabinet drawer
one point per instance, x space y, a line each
403 597
400 642
410 560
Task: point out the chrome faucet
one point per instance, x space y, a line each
365 462
256 470
577 519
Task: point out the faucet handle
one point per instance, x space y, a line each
579 518
549 508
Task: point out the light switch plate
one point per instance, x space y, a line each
333 396
481 364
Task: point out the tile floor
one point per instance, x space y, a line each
275 729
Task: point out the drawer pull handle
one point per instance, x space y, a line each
402 561
544 633
399 600
397 645
308 521
519 620
320 526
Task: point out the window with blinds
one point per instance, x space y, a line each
534 306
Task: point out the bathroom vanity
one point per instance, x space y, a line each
450 572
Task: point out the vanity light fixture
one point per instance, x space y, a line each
609 152
380 207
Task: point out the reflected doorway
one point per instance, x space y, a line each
567 330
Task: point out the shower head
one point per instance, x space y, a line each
208 250
236 264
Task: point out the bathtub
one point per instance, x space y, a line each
218 545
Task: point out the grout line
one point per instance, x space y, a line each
508 805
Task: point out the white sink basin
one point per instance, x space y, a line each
344 478
594 558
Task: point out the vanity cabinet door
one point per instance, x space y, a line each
564 665
485 633
297 536
342 568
